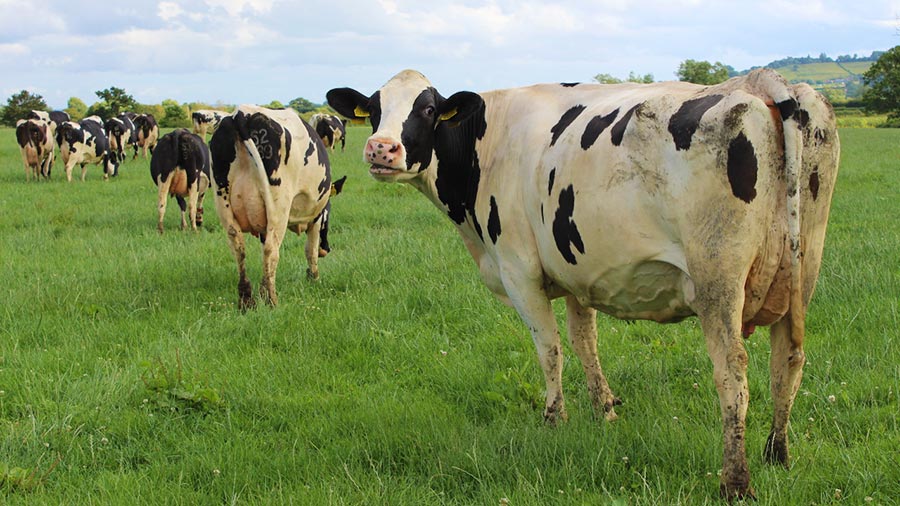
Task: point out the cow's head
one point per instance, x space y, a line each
404 114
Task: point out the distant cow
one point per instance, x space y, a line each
180 166
119 131
645 201
147 133
35 141
324 247
53 119
85 143
330 128
206 121
272 174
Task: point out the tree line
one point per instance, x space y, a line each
113 101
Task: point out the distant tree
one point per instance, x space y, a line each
275 104
175 115
301 105
635 78
19 105
76 109
117 100
883 82
702 72
607 79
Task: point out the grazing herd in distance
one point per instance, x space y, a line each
644 201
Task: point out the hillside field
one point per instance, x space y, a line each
128 375
823 71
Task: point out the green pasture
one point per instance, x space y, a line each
823 71
128 375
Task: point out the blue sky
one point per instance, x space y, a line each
256 51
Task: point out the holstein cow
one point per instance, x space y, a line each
657 201
119 131
147 133
180 166
330 128
206 121
272 174
53 119
83 143
36 144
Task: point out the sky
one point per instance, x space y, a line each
256 51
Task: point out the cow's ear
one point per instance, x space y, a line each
348 102
338 185
459 107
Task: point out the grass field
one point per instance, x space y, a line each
128 376
823 71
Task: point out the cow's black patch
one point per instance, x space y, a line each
569 85
595 127
814 183
266 134
684 123
787 108
564 121
618 131
316 144
802 117
180 148
542 212
222 149
458 171
742 165
101 143
309 151
494 221
59 117
416 136
287 145
565 231
550 182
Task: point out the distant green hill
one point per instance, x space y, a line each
815 73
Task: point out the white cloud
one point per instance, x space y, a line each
168 11
238 7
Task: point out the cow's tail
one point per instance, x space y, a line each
262 179
789 107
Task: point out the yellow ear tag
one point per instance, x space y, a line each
359 112
333 191
447 115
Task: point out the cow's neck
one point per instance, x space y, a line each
451 180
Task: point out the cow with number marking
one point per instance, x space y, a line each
180 167
272 175
146 132
35 139
86 143
330 129
206 121
644 201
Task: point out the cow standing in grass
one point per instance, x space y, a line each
35 139
272 175
86 143
180 166
330 128
206 121
657 202
146 132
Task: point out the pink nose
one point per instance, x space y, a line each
385 152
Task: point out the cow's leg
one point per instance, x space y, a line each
271 254
183 206
192 206
535 310
786 368
161 198
313 239
582 326
719 308
83 171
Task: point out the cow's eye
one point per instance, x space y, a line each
429 110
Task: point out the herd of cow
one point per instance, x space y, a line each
644 201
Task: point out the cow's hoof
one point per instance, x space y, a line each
322 253
312 275
733 493
776 451
246 304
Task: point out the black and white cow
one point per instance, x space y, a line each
147 133
180 166
272 174
657 201
330 128
119 131
85 143
35 139
53 119
206 121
